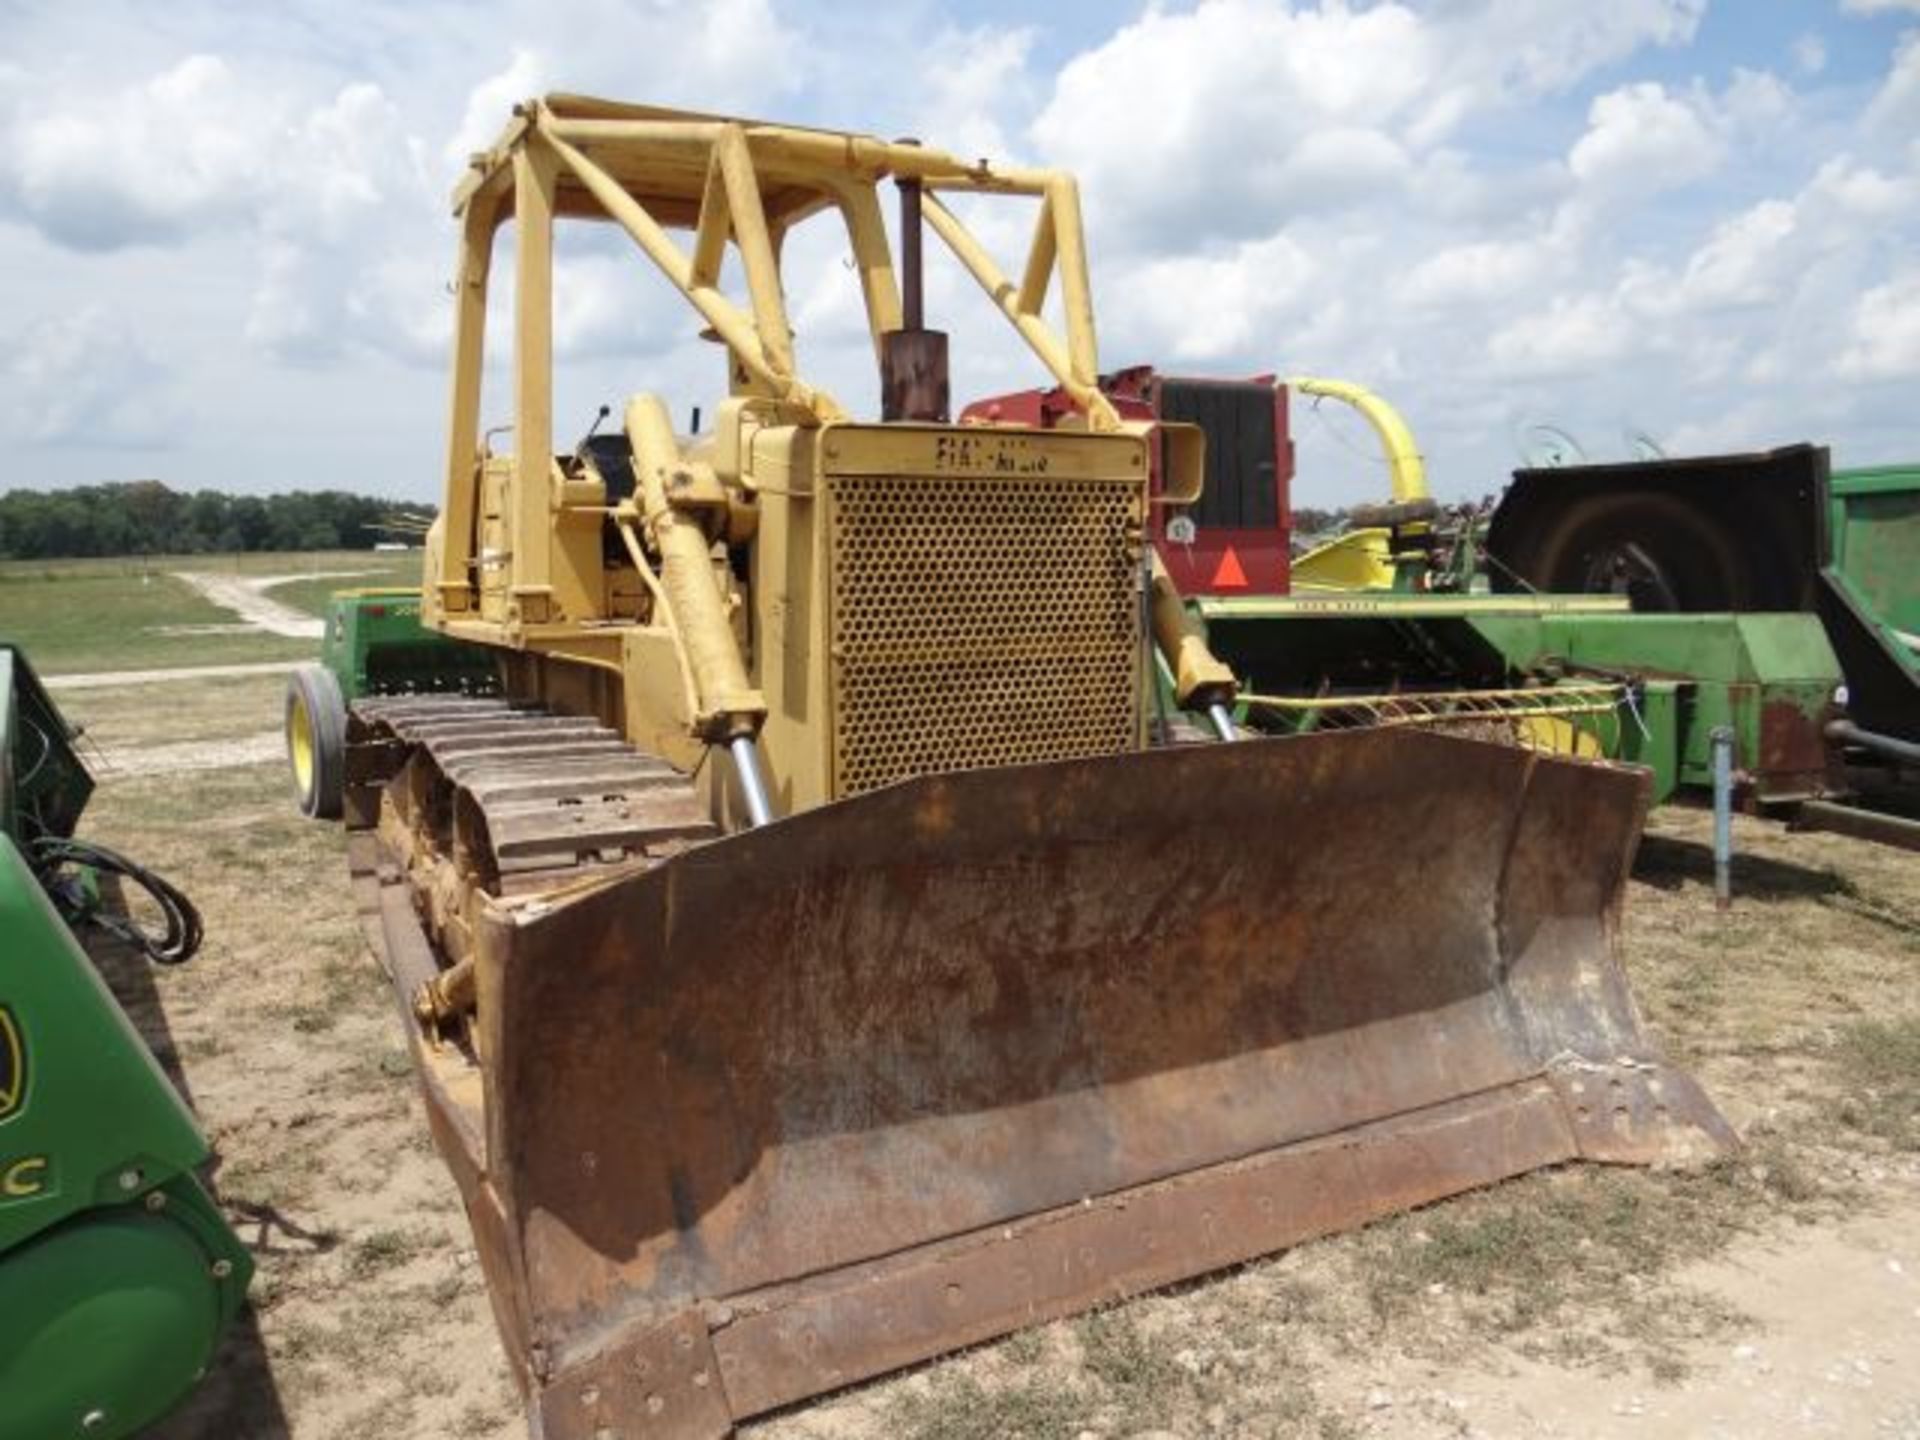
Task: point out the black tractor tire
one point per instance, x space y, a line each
1666 553
316 731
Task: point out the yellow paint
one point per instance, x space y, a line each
672 645
532 557
1357 560
1558 736
13 1065
300 744
1408 472
24 1178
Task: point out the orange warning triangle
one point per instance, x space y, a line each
1228 575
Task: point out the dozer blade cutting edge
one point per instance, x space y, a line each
911 1070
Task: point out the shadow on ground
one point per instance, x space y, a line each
1669 863
238 1399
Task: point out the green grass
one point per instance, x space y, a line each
72 616
390 567
255 562
75 623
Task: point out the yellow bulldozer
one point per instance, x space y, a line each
817 951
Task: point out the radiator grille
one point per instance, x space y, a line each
981 621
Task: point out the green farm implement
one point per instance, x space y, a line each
1869 597
374 644
1808 580
118 1275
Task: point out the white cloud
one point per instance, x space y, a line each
1754 100
344 161
1859 192
201 151
1476 272
1896 107
1810 53
1548 45
149 165
1641 140
1220 120
1574 333
1209 308
490 103
86 377
1880 7
285 319
1441 199
1766 254
1207 123
1744 425
1740 264
1886 332
964 101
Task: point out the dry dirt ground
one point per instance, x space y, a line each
1774 1294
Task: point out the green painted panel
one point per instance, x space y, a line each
1874 527
1649 735
43 784
1781 648
375 645
108 1320
84 1097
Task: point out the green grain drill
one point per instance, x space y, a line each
374 645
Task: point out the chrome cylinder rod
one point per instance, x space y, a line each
753 786
1222 720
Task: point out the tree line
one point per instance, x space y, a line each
146 517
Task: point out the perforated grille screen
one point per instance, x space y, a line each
981 621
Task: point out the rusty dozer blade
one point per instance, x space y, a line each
909 1071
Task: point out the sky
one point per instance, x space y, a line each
1690 225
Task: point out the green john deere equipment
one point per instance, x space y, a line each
1628 618
118 1275
373 644
1780 596
1869 597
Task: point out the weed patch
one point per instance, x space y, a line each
1526 1261
383 1250
957 1406
1879 1064
1139 1371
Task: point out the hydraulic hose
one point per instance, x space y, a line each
182 929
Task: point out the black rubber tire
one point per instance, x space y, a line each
313 695
1686 560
